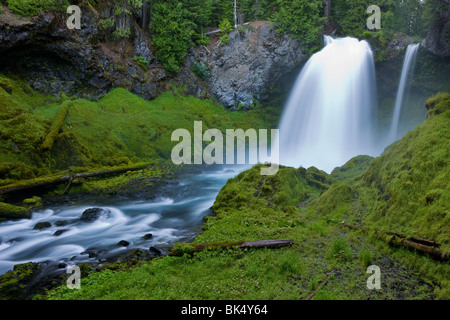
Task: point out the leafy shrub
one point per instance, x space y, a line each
225 28
172 31
122 32
200 70
107 23
300 19
141 62
34 7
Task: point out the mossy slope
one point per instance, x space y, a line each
42 134
305 205
407 188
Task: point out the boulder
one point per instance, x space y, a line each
92 214
42 225
123 243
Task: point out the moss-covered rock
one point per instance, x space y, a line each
13 284
9 211
42 225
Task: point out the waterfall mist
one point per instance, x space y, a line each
405 79
330 115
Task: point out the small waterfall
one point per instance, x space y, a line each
329 117
407 72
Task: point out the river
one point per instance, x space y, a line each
177 215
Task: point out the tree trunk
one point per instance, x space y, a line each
144 15
327 8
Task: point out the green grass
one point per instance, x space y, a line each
407 188
34 7
42 135
304 205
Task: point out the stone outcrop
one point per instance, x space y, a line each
243 71
438 37
85 62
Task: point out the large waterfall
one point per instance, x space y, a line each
329 117
407 71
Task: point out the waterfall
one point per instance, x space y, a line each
405 79
329 117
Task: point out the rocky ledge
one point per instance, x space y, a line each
85 62
243 71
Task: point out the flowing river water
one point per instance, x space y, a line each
175 216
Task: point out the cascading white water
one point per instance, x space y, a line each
329 117
405 79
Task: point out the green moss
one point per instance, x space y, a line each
56 127
353 168
13 281
335 203
34 7
9 211
438 104
406 189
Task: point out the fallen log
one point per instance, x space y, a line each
398 239
272 244
57 179
188 248
324 282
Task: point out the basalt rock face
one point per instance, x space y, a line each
243 71
438 37
53 59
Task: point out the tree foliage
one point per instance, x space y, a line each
301 19
171 30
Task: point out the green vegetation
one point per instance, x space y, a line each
34 7
200 70
177 25
44 137
225 28
9 211
301 19
141 62
407 189
306 205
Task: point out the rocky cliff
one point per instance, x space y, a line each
243 71
438 37
85 62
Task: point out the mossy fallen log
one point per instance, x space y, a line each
56 126
58 179
188 248
397 239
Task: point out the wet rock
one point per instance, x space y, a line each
92 214
60 232
147 236
62 265
42 225
155 251
438 37
123 243
61 223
